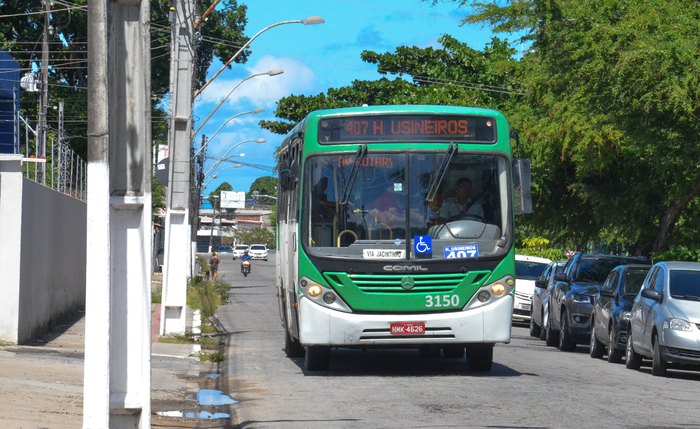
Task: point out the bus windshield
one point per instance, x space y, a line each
388 203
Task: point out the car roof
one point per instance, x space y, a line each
681 265
527 258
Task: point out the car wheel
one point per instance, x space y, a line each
614 355
658 364
565 342
543 330
551 338
480 357
633 360
534 327
317 358
597 348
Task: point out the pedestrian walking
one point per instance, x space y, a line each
213 265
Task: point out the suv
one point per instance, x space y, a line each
258 251
527 270
239 250
571 299
665 320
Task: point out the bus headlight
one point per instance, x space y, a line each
498 289
314 290
322 295
491 292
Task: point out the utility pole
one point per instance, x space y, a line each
117 373
178 239
44 95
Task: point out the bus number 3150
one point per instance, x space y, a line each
441 301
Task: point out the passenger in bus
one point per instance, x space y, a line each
463 205
323 210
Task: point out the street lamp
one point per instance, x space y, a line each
229 151
222 126
308 21
273 72
217 174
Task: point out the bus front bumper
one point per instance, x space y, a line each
486 324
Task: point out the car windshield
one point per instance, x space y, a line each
241 247
388 212
685 284
633 281
597 269
529 270
257 247
225 249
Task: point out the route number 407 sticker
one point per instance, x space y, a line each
464 251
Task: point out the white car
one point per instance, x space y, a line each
527 270
239 250
258 251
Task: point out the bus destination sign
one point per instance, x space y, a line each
403 128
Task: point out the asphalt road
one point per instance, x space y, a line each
531 385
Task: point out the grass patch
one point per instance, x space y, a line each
5 344
212 357
176 339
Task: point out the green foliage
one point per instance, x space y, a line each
212 357
680 253
157 199
257 235
207 296
539 246
265 185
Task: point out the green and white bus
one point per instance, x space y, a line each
369 256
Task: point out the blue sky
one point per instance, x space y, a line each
314 58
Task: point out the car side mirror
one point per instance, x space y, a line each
651 294
561 277
540 283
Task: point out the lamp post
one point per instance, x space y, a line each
206 142
273 72
229 151
214 176
308 21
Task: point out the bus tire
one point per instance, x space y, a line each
317 358
480 357
292 347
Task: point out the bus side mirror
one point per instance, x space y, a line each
522 191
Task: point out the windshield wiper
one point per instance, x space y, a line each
437 179
359 156
688 297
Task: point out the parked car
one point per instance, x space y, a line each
611 311
665 318
539 311
258 251
239 250
225 249
527 270
571 299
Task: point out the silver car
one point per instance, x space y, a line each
665 318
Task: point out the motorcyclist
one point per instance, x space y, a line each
245 263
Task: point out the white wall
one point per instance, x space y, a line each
43 258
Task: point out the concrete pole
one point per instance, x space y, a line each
178 244
43 97
117 376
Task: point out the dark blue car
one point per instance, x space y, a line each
611 311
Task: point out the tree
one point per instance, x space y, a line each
21 31
265 185
613 102
455 75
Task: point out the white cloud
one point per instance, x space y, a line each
263 91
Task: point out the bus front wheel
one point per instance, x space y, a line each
480 357
317 358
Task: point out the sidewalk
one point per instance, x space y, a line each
41 384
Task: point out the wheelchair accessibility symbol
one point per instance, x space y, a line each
423 245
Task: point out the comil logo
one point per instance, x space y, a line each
404 268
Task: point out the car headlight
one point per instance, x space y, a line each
678 325
625 315
582 299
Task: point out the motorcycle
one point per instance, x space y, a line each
245 268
